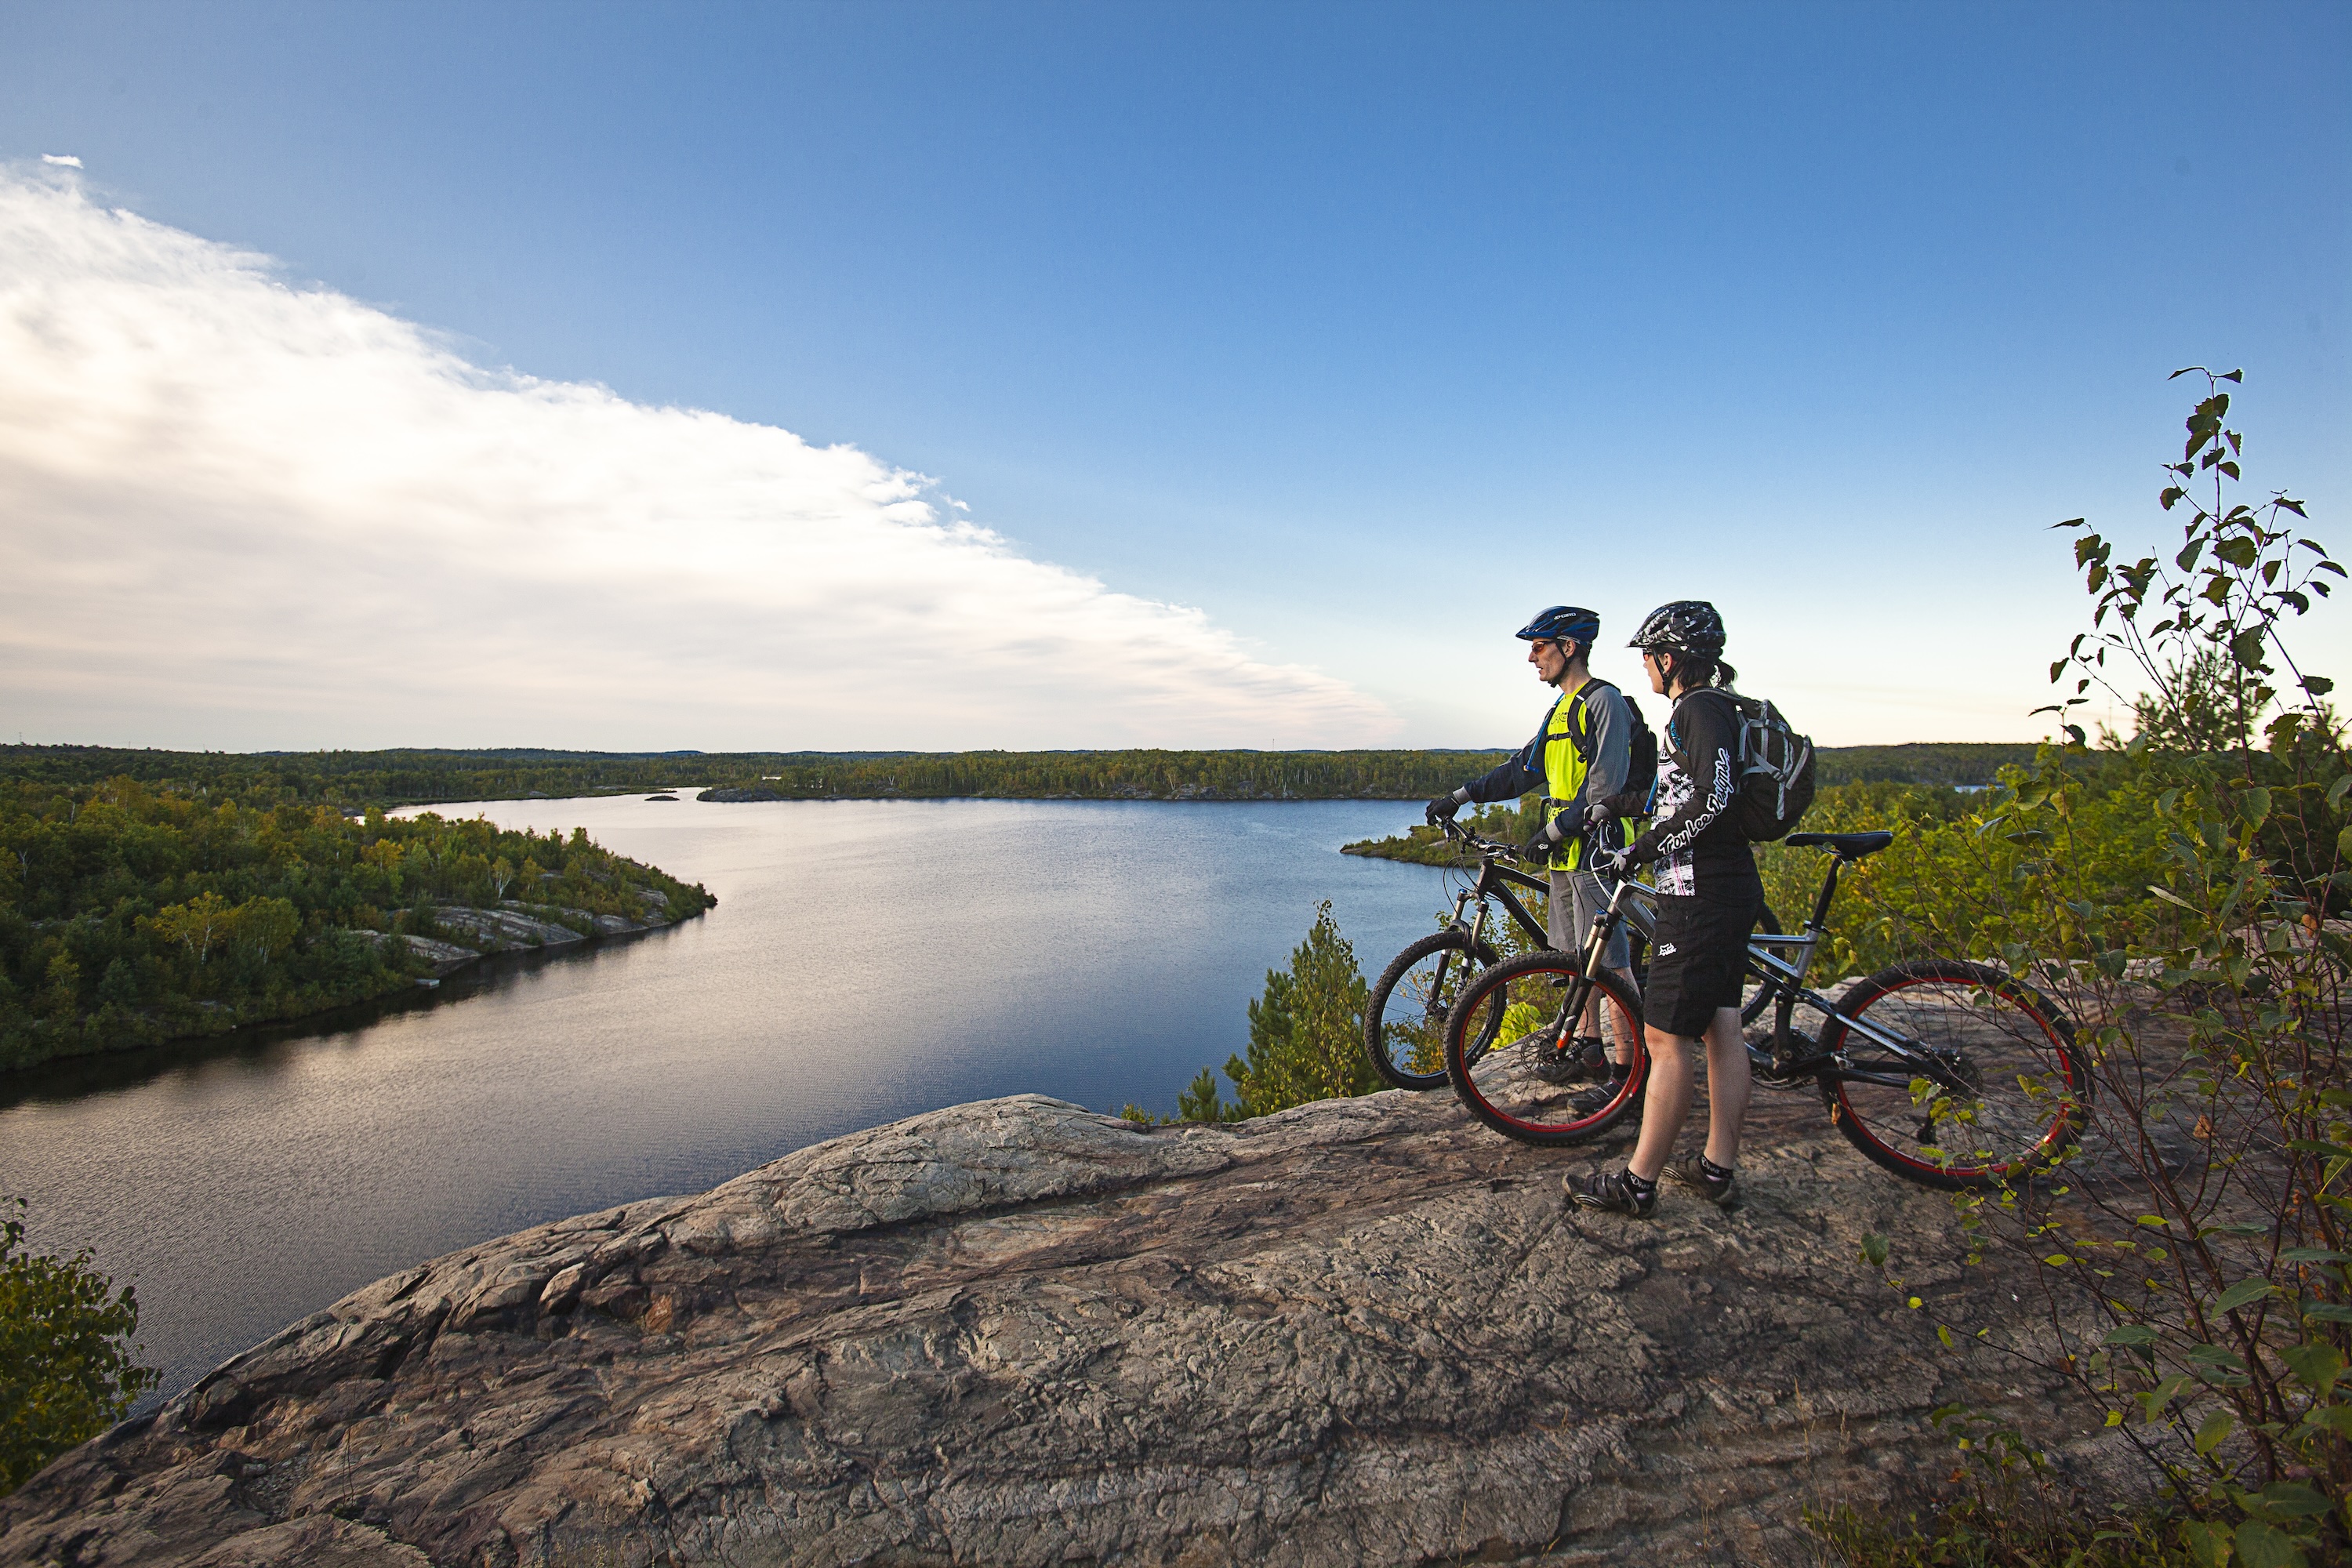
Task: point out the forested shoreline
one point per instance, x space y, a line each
1930 782
354 781
152 895
132 915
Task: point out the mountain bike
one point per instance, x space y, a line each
1404 1013
1949 1074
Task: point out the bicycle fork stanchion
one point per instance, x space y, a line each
1468 953
1445 958
1615 914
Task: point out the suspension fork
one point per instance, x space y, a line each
1587 969
1445 958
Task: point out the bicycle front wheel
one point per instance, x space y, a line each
1987 1089
1509 1019
1404 1016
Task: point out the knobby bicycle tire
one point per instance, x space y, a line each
1503 1007
1405 1015
2032 1091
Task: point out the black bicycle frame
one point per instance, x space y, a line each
1492 876
1785 982
1492 881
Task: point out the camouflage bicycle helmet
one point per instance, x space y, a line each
1685 626
1561 623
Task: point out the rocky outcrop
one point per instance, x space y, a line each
736 797
1013 1332
510 928
446 957
516 927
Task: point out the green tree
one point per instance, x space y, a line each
1307 1031
267 925
2198 707
66 1367
130 915
1201 1102
197 924
62 997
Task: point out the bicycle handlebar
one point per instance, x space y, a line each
1488 847
1496 846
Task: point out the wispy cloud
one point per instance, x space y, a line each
61 160
238 513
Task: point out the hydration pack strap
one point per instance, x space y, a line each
1581 743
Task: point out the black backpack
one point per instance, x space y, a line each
1640 744
1776 770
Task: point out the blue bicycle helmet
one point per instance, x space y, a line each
1562 623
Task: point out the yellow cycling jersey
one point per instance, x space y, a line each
1567 736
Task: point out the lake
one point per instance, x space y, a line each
868 960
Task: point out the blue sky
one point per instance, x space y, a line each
1361 330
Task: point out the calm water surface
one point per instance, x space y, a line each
868 960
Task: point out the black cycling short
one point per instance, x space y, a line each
1699 961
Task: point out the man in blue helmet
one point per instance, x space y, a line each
1578 758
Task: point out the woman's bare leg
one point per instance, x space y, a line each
1729 1083
1666 1103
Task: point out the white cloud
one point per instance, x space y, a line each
62 160
235 512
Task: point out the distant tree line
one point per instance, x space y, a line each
359 779
1964 763
130 913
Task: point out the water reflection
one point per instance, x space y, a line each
867 960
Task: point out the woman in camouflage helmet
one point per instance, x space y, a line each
1709 899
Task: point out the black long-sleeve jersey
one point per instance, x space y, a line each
1696 840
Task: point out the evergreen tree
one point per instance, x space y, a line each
1306 1032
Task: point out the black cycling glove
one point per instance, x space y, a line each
1441 809
1540 846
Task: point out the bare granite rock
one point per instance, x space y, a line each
1016 1332
505 930
446 957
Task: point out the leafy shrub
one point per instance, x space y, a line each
66 1368
2006 1509
2192 1257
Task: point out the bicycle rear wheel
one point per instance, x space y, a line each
1510 1014
2014 1093
1404 1016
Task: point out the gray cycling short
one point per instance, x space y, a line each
1588 898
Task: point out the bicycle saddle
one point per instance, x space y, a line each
1844 845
